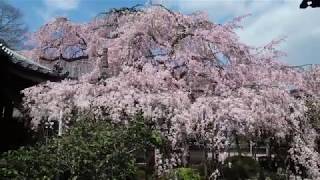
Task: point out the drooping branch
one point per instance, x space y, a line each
123 11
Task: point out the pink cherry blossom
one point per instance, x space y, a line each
188 76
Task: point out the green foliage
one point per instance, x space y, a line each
89 150
185 174
241 168
31 162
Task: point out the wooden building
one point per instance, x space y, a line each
17 73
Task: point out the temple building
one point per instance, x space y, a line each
17 73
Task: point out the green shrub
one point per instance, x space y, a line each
184 174
89 150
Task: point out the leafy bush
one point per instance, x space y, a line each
241 168
89 150
185 174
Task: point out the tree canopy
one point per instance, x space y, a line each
191 77
12 27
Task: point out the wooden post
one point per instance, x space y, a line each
60 124
1 111
185 155
267 149
251 152
8 111
204 162
59 134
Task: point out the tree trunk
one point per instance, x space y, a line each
204 162
238 144
185 155
150 162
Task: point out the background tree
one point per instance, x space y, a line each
12 28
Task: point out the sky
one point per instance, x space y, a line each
270 19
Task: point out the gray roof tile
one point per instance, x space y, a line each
21 60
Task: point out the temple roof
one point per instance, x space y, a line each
26 63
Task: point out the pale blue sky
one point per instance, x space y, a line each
270 19
37 12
